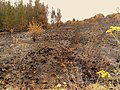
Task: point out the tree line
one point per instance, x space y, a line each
19 15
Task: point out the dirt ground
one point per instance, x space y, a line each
70 54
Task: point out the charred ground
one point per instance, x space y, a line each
72 53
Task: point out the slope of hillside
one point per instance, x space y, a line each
71 55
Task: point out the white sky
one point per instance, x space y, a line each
81 9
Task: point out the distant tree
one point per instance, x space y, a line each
20 15
40 13
53 16
44 15
29 11
9 16
73 19
1 13
58 16
30 3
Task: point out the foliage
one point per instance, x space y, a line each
53 16
18 15
103 74
34 27
56 16
113 28
40 13
114 32
108 79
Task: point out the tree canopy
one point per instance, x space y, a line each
18 15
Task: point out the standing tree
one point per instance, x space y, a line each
53 16
40 13
29 11
58 17
21 20
9 16
1 13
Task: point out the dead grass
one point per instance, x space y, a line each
34 27
95 87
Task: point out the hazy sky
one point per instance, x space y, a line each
81 9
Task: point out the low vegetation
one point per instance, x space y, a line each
34 27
